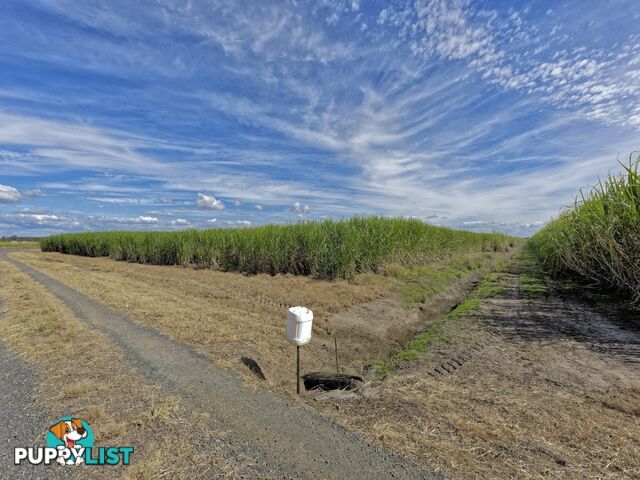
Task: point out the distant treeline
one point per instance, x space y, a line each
329 249
15 238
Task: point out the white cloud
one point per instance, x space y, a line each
505 52
258 207
297 207
146 219
9 194
212 220
123 200
238 223
33 193
40 219
60 144
383 16
209 201
180 222
515 228
139 220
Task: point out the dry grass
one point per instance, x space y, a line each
625 399
228 315
12 244
499 428
98 386
515 409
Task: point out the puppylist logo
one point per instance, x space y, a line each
70 442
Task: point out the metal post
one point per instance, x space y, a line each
335 342
298 370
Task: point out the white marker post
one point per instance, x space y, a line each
299 323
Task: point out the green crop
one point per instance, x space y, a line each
328 250
598 239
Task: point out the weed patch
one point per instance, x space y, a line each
11 244
532 287
419 283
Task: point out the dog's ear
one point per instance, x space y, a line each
76 422
58 429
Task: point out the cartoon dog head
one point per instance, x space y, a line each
69 431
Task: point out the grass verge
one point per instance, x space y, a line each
417 284
531 276
19 244
371 315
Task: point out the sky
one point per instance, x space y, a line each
166 114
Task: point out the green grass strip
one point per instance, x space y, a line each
434 334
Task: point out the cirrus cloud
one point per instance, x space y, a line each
480 115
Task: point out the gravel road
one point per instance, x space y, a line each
291 439
24 423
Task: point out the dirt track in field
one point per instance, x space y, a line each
527 386
287 438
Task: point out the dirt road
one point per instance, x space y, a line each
538 381
290 439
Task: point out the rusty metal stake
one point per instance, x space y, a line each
297 370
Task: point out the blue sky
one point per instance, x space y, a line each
195 114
